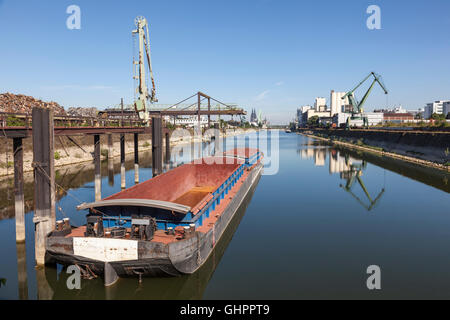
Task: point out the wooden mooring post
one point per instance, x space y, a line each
122 161
97 165
110 160
44 179
136 158
167 136
156 146
19 201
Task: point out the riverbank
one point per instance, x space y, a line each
80 149
425 149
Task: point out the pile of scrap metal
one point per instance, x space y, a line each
82 112
19 103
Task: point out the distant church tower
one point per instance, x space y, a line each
253 117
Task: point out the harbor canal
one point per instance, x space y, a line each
309 231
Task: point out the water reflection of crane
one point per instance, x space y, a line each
355 173
341 162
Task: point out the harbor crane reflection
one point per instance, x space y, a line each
349 169
355 173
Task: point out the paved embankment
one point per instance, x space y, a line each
425 148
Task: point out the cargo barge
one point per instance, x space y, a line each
165 226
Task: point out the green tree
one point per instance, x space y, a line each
437 116
313 121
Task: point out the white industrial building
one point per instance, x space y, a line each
313 112
434 107
320 104
304 113
373 118
336 102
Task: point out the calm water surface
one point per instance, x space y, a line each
309 231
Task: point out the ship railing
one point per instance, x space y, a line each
253 159
209 206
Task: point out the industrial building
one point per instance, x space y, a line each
397 117
341 111
321 114
302 115
373 118
435 107
321 110
320 104
337 103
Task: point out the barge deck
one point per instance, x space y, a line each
166 226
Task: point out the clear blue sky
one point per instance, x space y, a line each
269 55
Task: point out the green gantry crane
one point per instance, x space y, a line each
357 107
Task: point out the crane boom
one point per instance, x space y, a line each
142 96
149 61
357 106
359 84
355 174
